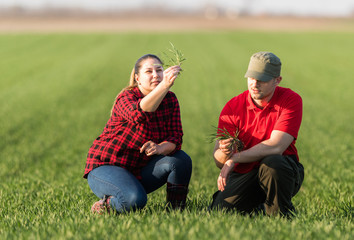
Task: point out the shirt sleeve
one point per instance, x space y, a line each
127 106
225 120
175 126
290 117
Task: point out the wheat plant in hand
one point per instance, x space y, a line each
222 134
175 57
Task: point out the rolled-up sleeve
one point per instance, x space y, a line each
175 126
128 107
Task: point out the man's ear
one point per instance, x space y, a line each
278 80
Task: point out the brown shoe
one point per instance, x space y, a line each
102 206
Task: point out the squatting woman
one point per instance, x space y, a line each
139 149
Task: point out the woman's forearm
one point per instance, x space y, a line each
166 147
152 101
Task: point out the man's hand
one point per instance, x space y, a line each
224 174
227 146
223 150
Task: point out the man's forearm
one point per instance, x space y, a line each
255 153
220 158
277 143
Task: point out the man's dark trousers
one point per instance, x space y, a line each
273 184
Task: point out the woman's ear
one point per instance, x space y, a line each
137 78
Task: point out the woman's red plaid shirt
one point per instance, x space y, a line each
130 127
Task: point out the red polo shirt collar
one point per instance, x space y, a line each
252 106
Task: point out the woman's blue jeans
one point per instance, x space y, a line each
128 193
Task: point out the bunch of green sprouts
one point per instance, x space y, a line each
222 134
177 57
173 58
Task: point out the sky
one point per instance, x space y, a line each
331 8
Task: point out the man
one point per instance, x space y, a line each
267 173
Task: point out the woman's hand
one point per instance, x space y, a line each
170 75
224 174
150 148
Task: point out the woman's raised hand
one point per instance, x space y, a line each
170 75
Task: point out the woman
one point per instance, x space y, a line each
140 147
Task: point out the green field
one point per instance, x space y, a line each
56 92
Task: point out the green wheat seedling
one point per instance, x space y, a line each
175 57
58 199
222 134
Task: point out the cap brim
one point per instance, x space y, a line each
259 76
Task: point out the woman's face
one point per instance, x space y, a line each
149 76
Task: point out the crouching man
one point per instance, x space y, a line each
266 173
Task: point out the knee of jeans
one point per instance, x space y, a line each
135 200
183 160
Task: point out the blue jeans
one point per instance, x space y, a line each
128 193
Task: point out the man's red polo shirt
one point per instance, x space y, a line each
283 113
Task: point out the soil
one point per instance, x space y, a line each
10 24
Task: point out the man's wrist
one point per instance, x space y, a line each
235 157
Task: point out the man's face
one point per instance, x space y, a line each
262 91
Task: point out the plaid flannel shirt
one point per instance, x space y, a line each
130 127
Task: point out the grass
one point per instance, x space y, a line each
56 92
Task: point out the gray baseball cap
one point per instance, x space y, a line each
264 66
